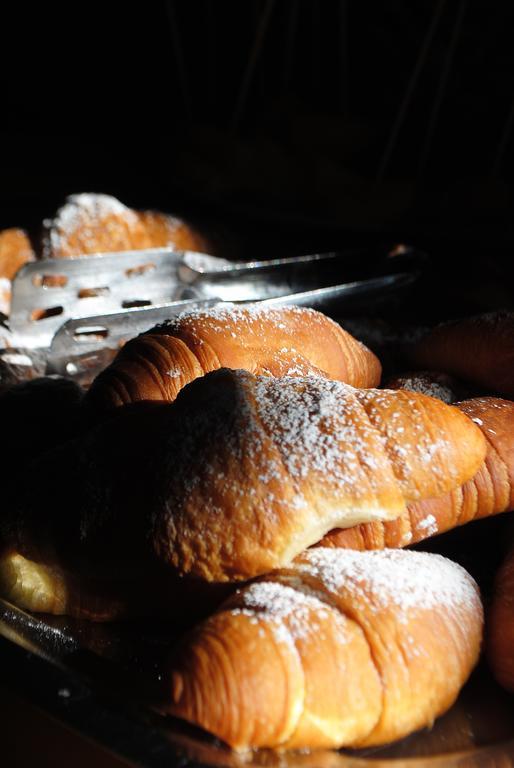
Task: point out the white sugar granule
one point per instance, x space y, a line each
428 525
174 373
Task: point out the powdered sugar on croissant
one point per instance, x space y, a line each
288 341
341 649
260 467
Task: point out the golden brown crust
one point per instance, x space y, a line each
15 251
292 341
342 649
489 492
479 350
93 223
298 453
239 475
162 229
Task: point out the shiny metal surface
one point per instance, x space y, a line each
80 346
47 294
104 681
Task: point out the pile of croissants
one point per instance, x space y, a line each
241 471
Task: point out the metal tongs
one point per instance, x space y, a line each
80 308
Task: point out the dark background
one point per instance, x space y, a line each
282 126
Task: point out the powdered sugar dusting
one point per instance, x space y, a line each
393 577
408 440
425 385
312 427
83 211
378 580
300 456
306 416
94 204
251 317
428 525
289 611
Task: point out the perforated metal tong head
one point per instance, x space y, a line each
84 344
48 293
81 311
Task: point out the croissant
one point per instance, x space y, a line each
15 251
292 341
430 383
500 626
238 476
479 350
45 588
489 492
93 223
342 649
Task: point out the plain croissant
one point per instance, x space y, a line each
292 341
479 350
489 492
341 649
238 476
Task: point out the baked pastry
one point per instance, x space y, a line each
237 477
93 223
500 625
478 350
489 492
298 453
292 341
15 251
431 383
341 649
45 586
48 588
